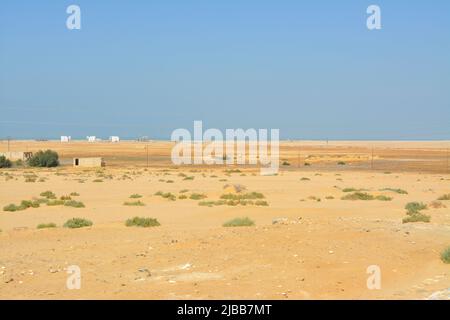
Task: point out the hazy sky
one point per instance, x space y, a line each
310 68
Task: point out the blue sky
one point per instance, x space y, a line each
310 68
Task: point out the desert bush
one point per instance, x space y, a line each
135 196
97 180
417 217
46 225
11 207
307 164
383 198
182 196
134 203
329 197
184 191
65 198
261 203
358 196
53 203
239 222
285 163
445 255
341 163
444 197
189 178
142 222
197 196
349 190
414 207
305 179
5 163
399 191
77 223
46 159
245 196
48 195
74 194
74 204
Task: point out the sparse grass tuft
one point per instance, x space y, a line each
142 222
197 196
46 225
383 198
399 191
74 194
358 196
134 203
48 195
417 217
77 223
135 196
305 179
53 203
74 204
239 222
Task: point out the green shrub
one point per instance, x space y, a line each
261 203
11 207
305 179
142 222
46 225
65 198
182 196
445 255
197 196
53 203
74 204
134 203
239 222
358 196
341 163
46 159
417 217
74 194
135 196
383 198
48 195
189 178
77 223
5 163
414 207
350 190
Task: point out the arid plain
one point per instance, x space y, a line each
308 241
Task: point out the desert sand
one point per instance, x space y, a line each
320 248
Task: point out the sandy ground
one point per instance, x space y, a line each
321 250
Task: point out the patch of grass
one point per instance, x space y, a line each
358 196
184 191
445 255
142 222
245 196
239 222
189 178
383 198
46 225
134 203
48 195
329 197
182 196
53 203
416 217
197 196
399 191
65 198
11 207
135 196
261 203
74 194
305 179
444 197
77 223
74 204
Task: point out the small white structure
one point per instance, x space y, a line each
114 139
91 138
66 138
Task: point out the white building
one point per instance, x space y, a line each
91 138
114 139
66 138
